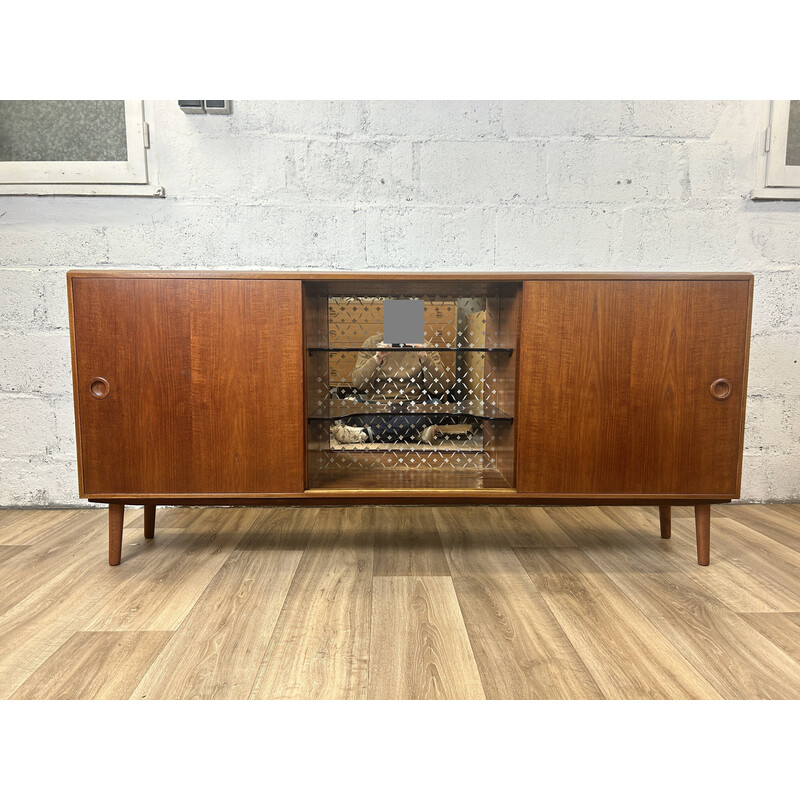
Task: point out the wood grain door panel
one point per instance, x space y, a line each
615 381
135 334
247 386
205 385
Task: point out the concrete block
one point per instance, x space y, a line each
681 119
553 237
423 119
177 235
253 235
39 482
782 471
776 234
355 171
765 425
712 173
231 169
39 243
27 426
299 117
791 421
80 213
54 286
64 411
621 170
774 366
37 362
754 478
33 299
481 172
430 238
22 301
300 237
682 239
547 118
776 300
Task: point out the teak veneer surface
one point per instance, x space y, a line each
401 603
205 385
614 393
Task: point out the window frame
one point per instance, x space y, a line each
89 177
775 180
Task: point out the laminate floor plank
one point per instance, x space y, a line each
10 551
38 527
71 540
218 648
523 526
593 531
94 665
507 620
13 518
406 543
420 649
789 509
175 517
782 629
52 543
756 558
704 630
182 574
625 652
13 521
62 604
767 520
319 648
735 577
29 526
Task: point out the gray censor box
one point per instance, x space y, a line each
404 322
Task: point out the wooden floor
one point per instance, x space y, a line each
401 603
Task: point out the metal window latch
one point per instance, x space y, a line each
146 135
767 137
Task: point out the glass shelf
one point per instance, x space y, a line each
340 409
508 350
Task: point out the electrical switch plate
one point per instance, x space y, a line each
217 106
191 106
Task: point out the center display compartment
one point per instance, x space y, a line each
435 413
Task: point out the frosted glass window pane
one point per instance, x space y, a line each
62 130
793 140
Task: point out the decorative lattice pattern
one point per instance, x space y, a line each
441 415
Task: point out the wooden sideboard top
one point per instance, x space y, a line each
223 274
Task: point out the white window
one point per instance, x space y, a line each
779 160
86 147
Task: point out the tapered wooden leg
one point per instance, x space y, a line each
702 524
149 520
116 516
665 517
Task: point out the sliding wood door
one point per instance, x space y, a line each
632 386
188 386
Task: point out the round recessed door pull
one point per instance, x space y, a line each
720 389
99 388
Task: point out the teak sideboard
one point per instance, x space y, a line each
220 388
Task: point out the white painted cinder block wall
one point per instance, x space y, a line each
446 186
